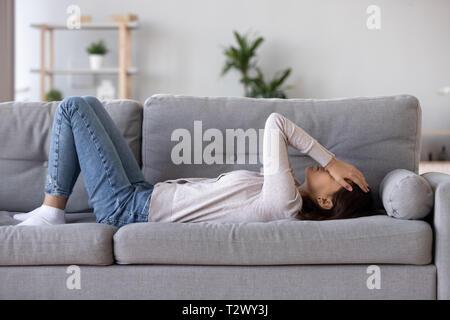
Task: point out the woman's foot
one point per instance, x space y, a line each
25 216
44 215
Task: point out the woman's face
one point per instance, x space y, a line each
321 186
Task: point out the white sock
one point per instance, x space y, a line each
25 216
44 215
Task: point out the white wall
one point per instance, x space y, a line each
178 48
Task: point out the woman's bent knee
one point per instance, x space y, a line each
70 101
274 120
70 104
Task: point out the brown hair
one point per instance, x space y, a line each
346 204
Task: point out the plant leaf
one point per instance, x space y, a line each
256 44
278 81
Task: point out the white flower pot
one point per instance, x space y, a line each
96 61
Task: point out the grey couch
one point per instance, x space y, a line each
284 259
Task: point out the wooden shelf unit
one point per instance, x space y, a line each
130 71
88 26
124 24
436 133
434 166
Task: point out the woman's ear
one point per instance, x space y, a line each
324 202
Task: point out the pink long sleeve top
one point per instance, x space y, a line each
243 196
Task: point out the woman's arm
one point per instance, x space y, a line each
281 132
279 190
298 138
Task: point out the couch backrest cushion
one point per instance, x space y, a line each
25 129
376 135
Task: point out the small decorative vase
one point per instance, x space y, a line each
443 155
96 61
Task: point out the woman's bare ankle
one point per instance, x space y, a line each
55 201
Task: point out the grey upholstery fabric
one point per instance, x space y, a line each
440 183
78 242
377 135
25 129
375 239
219 282
406 195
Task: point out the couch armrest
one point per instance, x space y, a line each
440 182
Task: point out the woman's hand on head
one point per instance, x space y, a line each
341 170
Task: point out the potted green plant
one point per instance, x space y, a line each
53 95
259 88
97 51
243 59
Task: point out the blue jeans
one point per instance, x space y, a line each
85 138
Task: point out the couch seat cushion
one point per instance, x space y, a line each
78 242
375 239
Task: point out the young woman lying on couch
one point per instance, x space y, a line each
85 139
